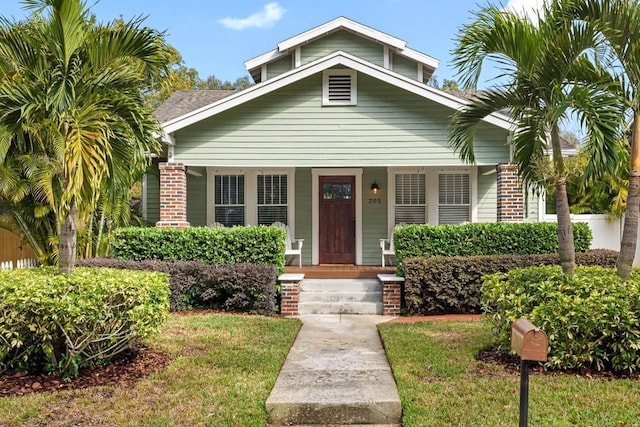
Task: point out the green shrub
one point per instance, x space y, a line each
58 324
500 238
241 287
591 319
439 284
219 245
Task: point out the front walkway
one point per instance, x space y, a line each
336 373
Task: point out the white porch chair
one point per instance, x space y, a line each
388 251
216 225
290 251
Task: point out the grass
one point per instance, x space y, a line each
441 384
223 370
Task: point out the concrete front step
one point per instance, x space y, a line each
340 296
341 285
340 308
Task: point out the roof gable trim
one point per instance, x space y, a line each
321 64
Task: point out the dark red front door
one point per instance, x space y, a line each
337 227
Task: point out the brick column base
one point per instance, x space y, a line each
290 293
391 294
510 195
173 196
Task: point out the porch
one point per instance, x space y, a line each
339 271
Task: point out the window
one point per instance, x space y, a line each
229 200
411 205
272 199
454 206
339 87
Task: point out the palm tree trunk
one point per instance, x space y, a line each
566 247
68 241
630 231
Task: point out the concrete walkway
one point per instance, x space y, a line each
336 373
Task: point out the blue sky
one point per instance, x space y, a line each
215 37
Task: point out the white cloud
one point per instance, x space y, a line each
526 8
270 14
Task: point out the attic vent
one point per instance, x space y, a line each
339 87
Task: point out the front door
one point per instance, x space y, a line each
337 225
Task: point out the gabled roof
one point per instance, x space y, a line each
184 101
338 58
342 23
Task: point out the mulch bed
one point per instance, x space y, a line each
511 364
125 371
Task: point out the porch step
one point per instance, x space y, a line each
340 296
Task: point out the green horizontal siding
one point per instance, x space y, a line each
404 66
304 228
345 41
280 66
152 215
388 127
487 194
197 199
374 215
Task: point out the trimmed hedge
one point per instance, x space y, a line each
219 245
59 324
241 287
438 285
592 319
500 238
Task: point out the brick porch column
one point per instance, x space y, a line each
510 195
173 196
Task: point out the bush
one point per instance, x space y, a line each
239 287
219 245
58 324
500 238
438 285
591 319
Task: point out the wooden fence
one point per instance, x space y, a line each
12 249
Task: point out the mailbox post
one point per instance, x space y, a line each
530 343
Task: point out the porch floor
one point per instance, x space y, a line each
339 271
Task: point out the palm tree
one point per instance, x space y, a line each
71 92
548 76
618 21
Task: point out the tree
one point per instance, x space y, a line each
449 85
176 77
619 22
71 95
548 75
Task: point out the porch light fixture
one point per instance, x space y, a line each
375 187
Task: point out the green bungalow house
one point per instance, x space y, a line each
340 138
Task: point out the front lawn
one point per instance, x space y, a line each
223 369
441 384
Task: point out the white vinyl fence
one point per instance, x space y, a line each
21 263
606 233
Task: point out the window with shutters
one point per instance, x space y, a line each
272 199
411 198
339 87
229 205
454 206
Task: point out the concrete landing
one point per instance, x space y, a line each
336 373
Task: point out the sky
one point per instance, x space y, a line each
216 37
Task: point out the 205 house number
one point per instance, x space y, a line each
375 201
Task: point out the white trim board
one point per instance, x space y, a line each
315 208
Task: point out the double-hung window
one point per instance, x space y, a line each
411 198
454 206
229 203
272 199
